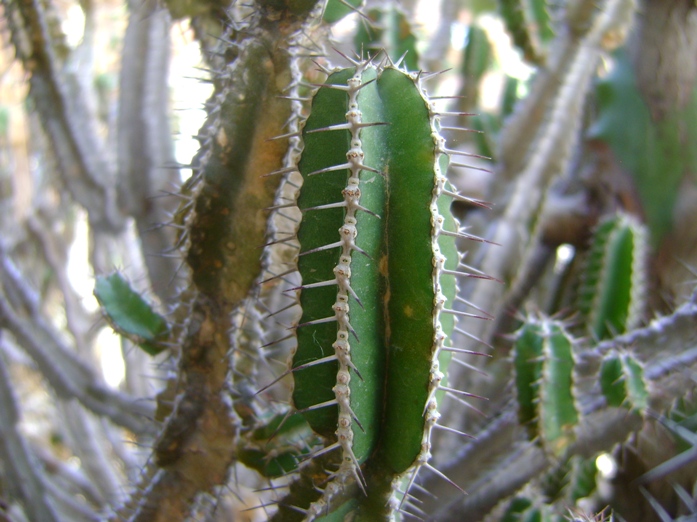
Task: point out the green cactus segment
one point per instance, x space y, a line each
558 413
527 364
622 382
129 314
378 264
611 296
543 362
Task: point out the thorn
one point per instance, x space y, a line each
450 113
322 68
277 341
288 414
328 358
453 430
348 126
276 380
464 402
313 322
286 170
359 13
463 129
444 477
271 488
344 88
265 505
471 304
321 452
282 205
294 98
409 485
407 514
460 197
345 166
454 152
463 350
466 314
454 164
279 276
460 392
465 236
448 97
467 274
401 58
426 76
324 207
295 134
473 337
312 285
337 51
338 126
288 307
325 247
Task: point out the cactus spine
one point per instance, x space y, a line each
370 339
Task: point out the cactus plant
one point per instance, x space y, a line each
314 340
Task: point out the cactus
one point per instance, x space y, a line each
622 382
611 297
372 167
129 314
311 336
544 362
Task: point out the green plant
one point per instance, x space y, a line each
331 309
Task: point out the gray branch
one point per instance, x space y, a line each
69 376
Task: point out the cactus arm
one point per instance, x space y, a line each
129 314
558 413
224 220
622 382
377 293
612 293
527 366
544 363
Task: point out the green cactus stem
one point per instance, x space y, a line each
378 264
622 382
129 314
611 297
544 362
